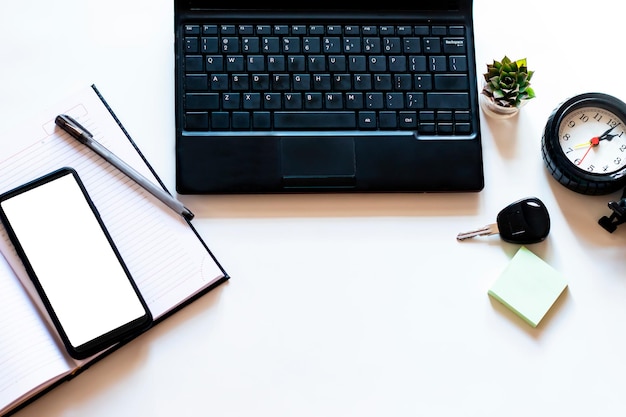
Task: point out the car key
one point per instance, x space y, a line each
524 221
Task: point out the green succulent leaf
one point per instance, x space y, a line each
507 82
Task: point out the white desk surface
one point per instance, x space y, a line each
352 305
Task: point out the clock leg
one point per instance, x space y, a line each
617 217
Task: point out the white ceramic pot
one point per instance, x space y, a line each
497 112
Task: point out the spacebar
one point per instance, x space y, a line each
314 119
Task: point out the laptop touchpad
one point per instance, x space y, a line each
314 161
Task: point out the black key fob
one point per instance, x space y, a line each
525 221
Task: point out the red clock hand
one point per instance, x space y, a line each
593 142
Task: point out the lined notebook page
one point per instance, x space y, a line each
29 354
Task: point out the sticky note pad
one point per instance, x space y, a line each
528 286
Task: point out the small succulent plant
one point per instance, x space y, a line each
507 82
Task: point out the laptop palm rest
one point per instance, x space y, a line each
318 162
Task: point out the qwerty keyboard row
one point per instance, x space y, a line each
290 77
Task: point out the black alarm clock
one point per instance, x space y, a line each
584 143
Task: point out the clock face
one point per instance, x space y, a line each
593 139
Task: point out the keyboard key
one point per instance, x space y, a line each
191 45
202 101
447 100
354 101
423 82
209 29
427 128
462 128
333 101
231 101
263 30
255 63
313 101
301 82
220 120
394 101
457 63
459 82
421 30
404 30
209 45
196 120
191 29
241 120
193 63
437 63
281 30
367 120
388 120
271 101
432 45
397 63
315 63
444 128
331 45
245 30
251 101
311 45
412 45
439 30
292 101
374 101
298 29
316 30
392 45
456 30
240 82
362 82
408 120
369 30
230 45
250 45
321 82
276 63
454 45
462 116
219 82
336 63
227 30
260 82
372 45
312 120
261 120
417 63
214 63
195 82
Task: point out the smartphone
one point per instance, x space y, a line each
73 262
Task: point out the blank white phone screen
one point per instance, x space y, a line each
73 261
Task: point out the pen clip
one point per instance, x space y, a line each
70 125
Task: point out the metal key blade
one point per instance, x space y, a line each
488 230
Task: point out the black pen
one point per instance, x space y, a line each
74 128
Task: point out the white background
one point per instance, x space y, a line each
352 305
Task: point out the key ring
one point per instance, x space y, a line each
617 217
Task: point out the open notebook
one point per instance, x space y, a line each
166 257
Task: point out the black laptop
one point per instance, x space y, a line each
330 99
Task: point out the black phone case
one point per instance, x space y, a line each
100 343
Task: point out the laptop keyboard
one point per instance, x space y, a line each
257 77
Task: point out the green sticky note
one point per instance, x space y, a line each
528 286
